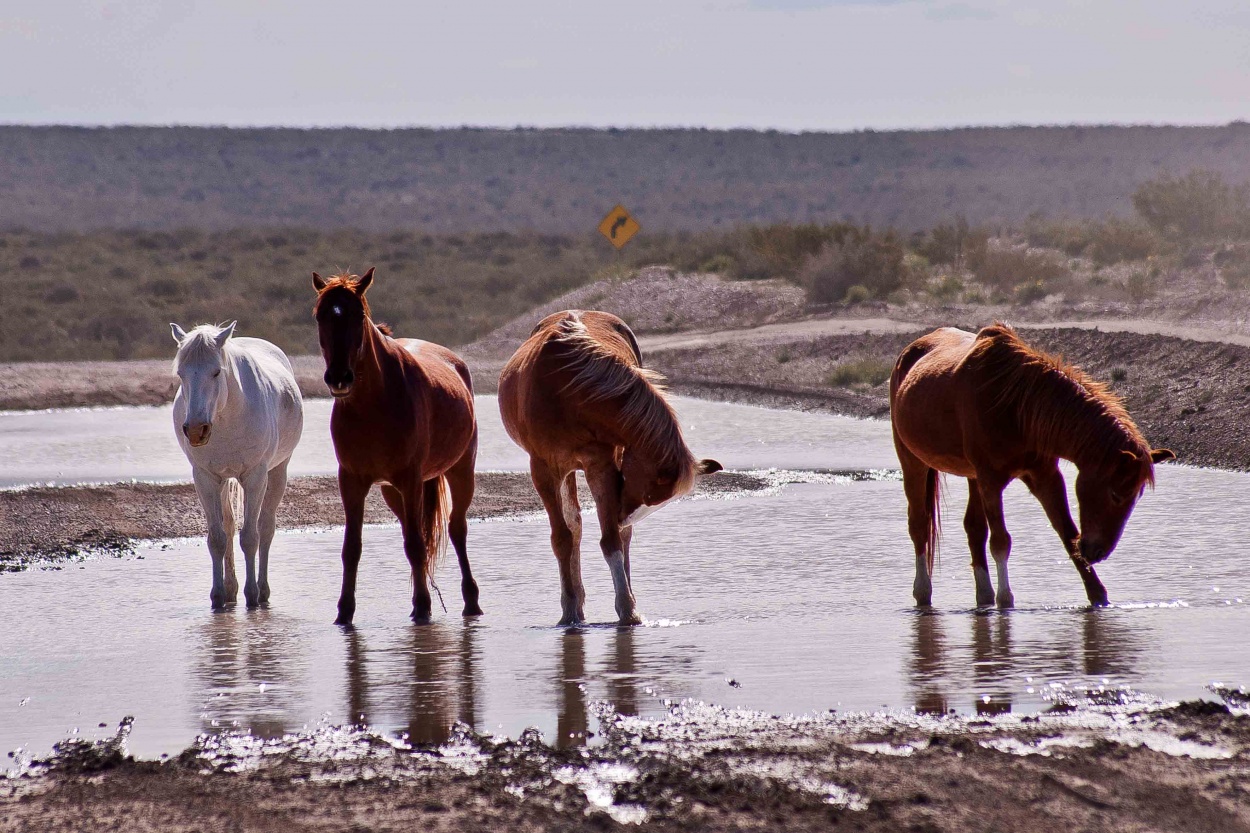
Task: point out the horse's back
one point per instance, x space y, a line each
929 397
534 383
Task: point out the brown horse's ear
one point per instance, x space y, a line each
708 467
319 283
1160 455
365 280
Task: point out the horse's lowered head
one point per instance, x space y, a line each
1107 494
341 312
203 371
647 484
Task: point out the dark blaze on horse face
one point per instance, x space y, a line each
341 314
990 408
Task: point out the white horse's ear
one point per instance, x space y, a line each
224 336
319 283
365 280
178 333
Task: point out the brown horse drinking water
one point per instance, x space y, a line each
989 408
403 417
575 396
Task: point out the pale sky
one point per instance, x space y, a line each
786 64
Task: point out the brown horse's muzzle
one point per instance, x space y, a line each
339 382
197 434
1093 553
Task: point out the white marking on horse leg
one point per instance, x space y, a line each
922 586
985 588
626 606
1005 597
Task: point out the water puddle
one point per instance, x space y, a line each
795 600
106 445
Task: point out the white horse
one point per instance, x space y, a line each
238 416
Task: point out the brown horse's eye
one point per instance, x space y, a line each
216 373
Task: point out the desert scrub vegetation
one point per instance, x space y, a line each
562 181
111 294
867 371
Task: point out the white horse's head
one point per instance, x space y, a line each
203 369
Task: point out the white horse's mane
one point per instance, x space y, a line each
200 345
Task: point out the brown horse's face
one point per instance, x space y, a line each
340 313
1107 496
646 488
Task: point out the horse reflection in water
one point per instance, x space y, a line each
620 673
429 675
246 674
1090 645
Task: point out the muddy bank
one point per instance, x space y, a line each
47 525
1189 396
1099 768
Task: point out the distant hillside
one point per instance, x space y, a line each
562 181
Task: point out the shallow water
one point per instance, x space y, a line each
796 600
103 445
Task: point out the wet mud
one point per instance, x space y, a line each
1108 767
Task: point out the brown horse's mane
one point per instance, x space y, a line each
599 374
348 281
1045 392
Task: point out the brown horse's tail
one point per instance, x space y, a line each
434 506
933 507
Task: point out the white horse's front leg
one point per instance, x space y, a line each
254 484
208 487
274 490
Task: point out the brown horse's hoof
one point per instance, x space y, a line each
472 610
632 619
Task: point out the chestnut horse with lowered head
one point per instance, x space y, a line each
402 417
575 396
990 408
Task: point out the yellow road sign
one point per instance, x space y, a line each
619 226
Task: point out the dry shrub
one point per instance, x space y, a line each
1004 268
868 260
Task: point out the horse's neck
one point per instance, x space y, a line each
374 357
1080 428
234 363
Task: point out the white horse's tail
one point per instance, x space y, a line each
231 510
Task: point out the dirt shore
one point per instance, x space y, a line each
45 526
1104 768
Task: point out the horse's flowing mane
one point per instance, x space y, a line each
348 281
600 374
1047 395
199 345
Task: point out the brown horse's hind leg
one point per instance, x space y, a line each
978 530
414 547
460 483
1048 487
604 480
1000 538
559 496
916 477
353 492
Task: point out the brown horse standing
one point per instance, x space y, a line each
403 417
989 408
575 396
